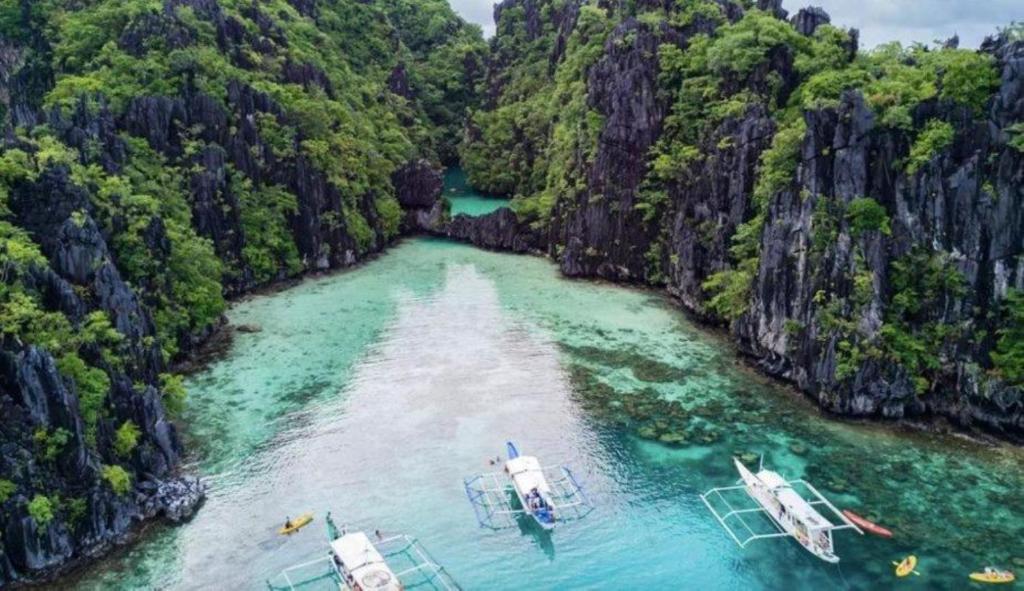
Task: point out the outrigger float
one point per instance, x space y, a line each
547 494
788 511
355 563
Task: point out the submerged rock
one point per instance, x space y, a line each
672 438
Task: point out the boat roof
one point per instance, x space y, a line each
527 474
362 560
795 504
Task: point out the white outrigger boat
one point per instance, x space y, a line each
547 495
355 563
790 513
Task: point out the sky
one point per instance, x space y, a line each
879 21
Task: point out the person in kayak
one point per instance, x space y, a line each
287 522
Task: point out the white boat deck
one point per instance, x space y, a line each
364 564
795 504
527 474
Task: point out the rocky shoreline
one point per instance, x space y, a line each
175 501
501 231
893 317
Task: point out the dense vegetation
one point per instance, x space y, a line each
740 93
197 148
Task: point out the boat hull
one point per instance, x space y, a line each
762 494
868 526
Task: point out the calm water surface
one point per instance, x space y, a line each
372 393
464 198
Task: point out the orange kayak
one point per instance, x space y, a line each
868 526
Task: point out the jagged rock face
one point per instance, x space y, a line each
943 205
92 132
235 142
602 231
807 20
707 209
398 82
55 210
280 163
81 277
774 7
46 402
498 230
418 187
961 212
10 62
417 184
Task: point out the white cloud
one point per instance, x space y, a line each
480 12
879 21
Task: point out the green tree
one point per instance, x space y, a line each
867 215
1008 358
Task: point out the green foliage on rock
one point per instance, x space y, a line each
1016 133
895 79
1008 357
126 438
175 395
740 47
936 136
7 488
93 385
269 248
119 480
41 510
867 215
49 444
913 335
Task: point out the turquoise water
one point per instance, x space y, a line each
373 392
464 198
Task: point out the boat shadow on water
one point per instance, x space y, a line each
528 528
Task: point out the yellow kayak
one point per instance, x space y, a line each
298 523
991 575
907 566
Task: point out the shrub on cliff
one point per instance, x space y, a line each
40 509
7 489
867 215
126 438
935 136
1008 358
118 478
